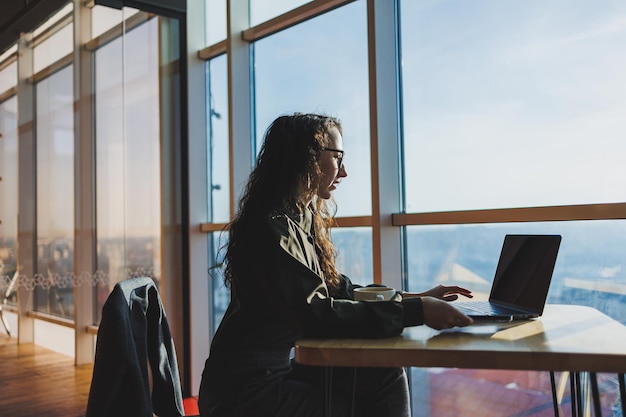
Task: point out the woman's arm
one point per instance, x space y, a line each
442 292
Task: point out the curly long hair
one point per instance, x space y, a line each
287 174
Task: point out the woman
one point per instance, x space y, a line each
280 266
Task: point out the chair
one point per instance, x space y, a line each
7 294
133 333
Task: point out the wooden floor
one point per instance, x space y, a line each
35 381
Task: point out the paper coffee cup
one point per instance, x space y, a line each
373 293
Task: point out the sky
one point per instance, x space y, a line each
513 104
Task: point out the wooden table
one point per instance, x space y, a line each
566 338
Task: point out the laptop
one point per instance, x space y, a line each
520 286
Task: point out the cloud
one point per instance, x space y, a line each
610 272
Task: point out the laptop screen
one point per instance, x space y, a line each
524 271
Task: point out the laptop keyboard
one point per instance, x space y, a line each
486 308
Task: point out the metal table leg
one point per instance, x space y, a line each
576 394
622 392
555 400
595 394
328 389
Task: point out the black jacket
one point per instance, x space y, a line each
281 297
133 331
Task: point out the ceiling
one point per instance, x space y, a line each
23 16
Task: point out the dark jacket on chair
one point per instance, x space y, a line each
134 331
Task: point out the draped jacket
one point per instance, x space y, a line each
134 331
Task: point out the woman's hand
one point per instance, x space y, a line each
439 315
442 292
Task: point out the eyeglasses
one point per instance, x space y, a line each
339 158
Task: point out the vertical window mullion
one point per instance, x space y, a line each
385 114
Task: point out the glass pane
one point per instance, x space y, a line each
8 196
104 18
262 10
8 52
492 393
215 21
220 292
54 48
297 70
218 141
8 77
521 104
589 269
128 175
55 194
354 247
54 19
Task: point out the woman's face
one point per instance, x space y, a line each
331 164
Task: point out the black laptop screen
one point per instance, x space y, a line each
525 270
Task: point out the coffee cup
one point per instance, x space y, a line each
374 293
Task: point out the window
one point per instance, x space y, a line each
354 246
262 10
105 18
215 21
8 77
506 105
8 194
128 174
54 293
218 171
588 271
320 66
220 293
218 143
513 104
54 48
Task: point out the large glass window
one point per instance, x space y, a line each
218 143
262 10
215 21
105 18
8 77
8 195
354 247
441 392
589 271
11 50
54 48
128 179
321 66
510 104
218 180
219 290
54 293
513 104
